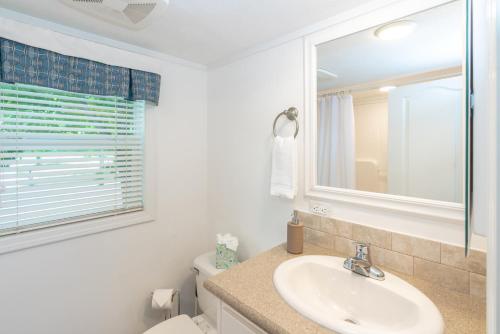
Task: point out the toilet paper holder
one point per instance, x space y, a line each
176 293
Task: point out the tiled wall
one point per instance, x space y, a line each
433 261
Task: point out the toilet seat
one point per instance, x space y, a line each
180 324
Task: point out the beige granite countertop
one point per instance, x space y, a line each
248 288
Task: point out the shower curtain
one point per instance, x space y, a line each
336 142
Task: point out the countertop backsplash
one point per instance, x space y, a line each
439 263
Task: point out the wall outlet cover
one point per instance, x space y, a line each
318 208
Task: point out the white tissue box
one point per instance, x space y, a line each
226 248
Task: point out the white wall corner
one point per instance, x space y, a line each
493 288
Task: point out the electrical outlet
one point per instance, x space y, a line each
318 208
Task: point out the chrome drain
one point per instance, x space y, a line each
351 321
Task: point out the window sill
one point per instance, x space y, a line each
29 239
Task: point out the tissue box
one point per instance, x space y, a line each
225 258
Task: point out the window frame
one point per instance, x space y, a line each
29 238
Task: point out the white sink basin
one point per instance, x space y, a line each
319 288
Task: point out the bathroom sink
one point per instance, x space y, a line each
319 288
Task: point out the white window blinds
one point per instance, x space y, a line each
67 157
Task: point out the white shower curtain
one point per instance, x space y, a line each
336 142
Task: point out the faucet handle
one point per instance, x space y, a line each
362 250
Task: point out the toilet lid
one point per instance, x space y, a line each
180 324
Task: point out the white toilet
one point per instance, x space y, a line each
205 323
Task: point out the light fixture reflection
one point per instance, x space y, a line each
395 30
385 89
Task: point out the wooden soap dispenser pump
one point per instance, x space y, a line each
295 235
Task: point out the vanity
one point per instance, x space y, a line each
250 304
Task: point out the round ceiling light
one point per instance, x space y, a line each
386 89
395 30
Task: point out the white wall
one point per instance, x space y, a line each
102 283
493 228
243 99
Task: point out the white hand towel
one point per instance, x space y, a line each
284 170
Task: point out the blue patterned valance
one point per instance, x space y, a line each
21 63
144 85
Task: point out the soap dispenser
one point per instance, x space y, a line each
295 235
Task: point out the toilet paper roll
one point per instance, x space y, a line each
163 299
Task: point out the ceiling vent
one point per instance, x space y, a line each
133 14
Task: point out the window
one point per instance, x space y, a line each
67 157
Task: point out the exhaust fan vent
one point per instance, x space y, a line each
133 14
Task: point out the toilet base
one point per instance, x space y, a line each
204 324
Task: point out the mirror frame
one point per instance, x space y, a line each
418 208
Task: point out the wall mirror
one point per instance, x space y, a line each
388 110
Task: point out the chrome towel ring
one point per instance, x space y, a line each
291 113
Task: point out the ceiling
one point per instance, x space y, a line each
437 43
198 30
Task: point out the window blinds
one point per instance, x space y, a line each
67 157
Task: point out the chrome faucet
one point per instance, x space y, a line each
361 263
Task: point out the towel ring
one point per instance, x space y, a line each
291 113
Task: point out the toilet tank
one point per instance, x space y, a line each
205 265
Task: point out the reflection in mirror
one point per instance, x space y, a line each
390 114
